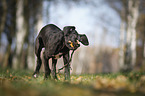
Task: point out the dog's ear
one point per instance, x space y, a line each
68 29
83 39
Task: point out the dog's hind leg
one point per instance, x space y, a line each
46 66
38 48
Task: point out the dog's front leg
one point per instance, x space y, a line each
46 66
53 71
67 67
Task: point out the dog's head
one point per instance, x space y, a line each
72 38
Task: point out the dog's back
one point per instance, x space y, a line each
50 38
50 28
48 31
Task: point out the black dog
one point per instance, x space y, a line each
57 43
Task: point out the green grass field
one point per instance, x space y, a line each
21 83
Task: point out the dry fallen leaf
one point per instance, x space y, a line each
7 71
29 77
142 78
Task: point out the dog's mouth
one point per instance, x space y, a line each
71 44
74 45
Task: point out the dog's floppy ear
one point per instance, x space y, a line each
68 29
83 39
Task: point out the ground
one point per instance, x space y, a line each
21 83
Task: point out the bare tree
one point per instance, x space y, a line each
132 17
140 60
3 16
20 33
9 31
122 11
123 16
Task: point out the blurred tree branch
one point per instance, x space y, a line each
3 16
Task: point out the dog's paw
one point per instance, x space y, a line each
35 75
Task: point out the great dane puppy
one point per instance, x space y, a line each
57 43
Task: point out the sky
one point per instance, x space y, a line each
100 23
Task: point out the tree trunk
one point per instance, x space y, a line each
20 33
130 54
123 16
7 56
121 48
143 61
3 18
9 30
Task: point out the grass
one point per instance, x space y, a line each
21 83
